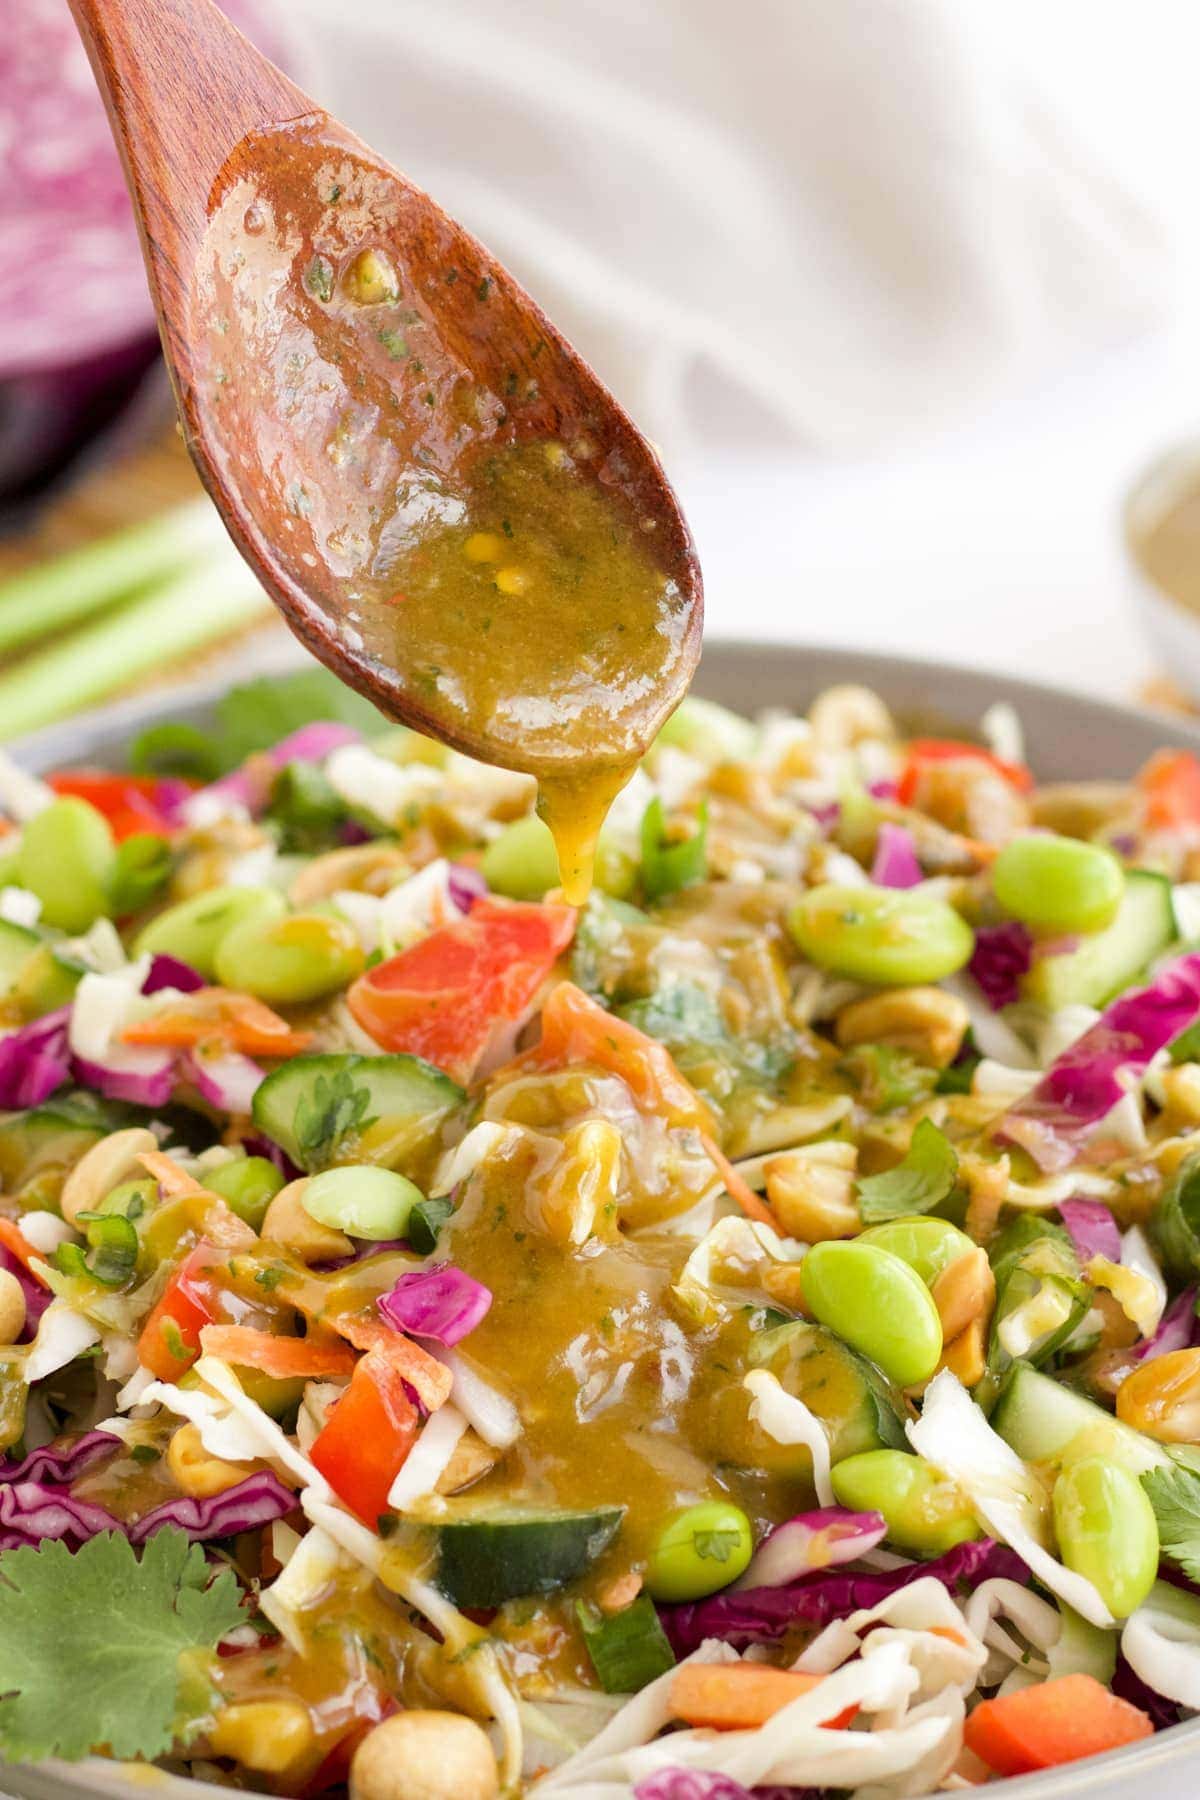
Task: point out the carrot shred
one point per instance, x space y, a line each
13 1239
736 1188
576 1029
172 1180
1057 1721
279 1357
430 1378
217 1015
741 1696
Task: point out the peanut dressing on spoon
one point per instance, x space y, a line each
444 503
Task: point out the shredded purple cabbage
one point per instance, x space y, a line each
257 1145
699 1784
152 1087
895 864
1084 1083
169 972
1093 1230
1002 954
812 1541
1178 1329
65 1464
439 1302
312 744
1128 1685
466 885
228 1081
31 1513
37 1298
35 1060
257 1501
761 1615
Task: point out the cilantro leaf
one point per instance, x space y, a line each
335 1107
260 713
93 1645
922 1181
1175 1497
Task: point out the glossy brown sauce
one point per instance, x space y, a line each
439 490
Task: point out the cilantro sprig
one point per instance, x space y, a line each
1175 1496
922 1181
100 1648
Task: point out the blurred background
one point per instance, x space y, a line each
907 291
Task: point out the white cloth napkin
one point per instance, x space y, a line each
823 222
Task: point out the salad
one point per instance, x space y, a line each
738 1337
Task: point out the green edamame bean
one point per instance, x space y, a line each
522 863
192 929
248 1184
874 1302
926 1245
889 937
699 1550
361 1200
67 858
924 1511
1058 883
287 960
1107 1531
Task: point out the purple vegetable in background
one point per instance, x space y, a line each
439 1302
895 864
812 1541
1092 1228
1002 954
257 1501
30 1513
66 1464
35 1060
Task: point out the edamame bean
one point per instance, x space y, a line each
889 937
67 858
1058 883
192 929
924 1511
699 1550
287 960
926 1245
248 1184
877 1304
1107 1531
522 863
361 1200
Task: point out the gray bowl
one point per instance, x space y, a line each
1068 737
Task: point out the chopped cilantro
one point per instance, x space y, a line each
1175 1496
100 1647
335 1107
922 1181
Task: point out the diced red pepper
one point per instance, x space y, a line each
130 803
923 753
212 1015
442 998
170 1340
1170 786
368 1434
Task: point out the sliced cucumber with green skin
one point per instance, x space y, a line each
46 980
855 1403
1044 1422
54 1136
317 1108
17 945
1107 961
487 1560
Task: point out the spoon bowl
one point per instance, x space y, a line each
442 498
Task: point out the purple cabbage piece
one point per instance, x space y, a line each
439 1302
30 1513
813 1541
883 790
37 1298
169 972
1002 954
895 864
1084 1084
312 743
61 1465
699 1784
257 1501
151 1088
1127 1685
1178 1329
257 1145
466 885
35 1061
227 1081
762 1615
1092 1228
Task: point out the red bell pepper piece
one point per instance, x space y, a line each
444 996
129 802
170 1340
1170 786
925 752
367 1436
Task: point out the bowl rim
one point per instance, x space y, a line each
727 659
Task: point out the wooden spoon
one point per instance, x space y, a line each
446 504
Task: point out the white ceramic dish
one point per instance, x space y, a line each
1068 737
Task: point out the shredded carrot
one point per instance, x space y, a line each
430 1378
279 1357
736 1188
1057 1721
576 1029
17 1244
741 1696
217 1015
172 1180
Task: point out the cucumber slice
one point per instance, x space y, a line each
46 980
1044 1422
1107 961
343 1108
17 944
848 1394
495 1557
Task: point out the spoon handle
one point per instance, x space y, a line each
182 87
